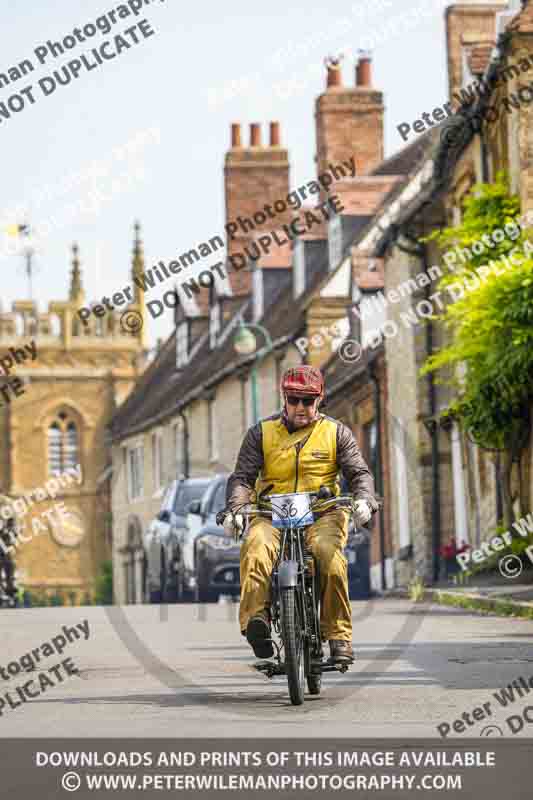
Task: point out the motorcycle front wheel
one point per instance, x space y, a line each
293 642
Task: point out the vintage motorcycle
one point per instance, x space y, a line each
295 590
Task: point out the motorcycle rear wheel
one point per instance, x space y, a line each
293 642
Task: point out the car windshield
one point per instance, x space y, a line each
166 505
188 493
219 500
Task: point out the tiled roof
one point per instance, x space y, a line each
338 373
405 160
523 22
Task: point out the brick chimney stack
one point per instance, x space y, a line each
274 134
334 74
255 176
255 134
363 72
468 22
349 120
236 135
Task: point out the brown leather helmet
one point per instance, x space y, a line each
303 380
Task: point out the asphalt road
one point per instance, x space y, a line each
185 671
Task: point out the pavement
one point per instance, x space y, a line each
185 671
490 589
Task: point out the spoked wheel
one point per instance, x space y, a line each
294 646
314 681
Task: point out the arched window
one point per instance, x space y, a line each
63 444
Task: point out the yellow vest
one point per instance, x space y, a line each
315 464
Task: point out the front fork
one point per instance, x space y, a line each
297 571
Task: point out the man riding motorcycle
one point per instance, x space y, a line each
298 450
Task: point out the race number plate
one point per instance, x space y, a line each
291 510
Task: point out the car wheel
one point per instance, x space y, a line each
206 595
183 595
150 595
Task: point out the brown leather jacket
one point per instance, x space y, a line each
241 483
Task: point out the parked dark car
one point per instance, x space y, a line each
217 556
200 520
357 553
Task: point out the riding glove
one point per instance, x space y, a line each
234 525
362 512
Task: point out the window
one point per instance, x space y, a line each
298 270
182 344
135 464
219 500
278 398
157 460
212 430
371 441
334 242
179 448
187 493
63 444
258 293
399 445
244 405
373 314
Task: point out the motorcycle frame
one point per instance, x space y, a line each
291 571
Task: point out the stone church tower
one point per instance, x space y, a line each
52 422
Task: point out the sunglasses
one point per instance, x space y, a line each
306 401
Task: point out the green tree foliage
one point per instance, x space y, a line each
104 585
490 350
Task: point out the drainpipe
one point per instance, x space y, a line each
421 252
185 421
379 468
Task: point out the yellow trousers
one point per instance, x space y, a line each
326 539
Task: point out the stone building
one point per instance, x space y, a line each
80 374
446 487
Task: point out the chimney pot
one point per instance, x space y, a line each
364 71
274 134
334 77
255 134
236 134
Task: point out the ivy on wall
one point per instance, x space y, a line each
490 344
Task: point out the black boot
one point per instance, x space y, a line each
259 635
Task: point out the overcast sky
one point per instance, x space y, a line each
169 92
